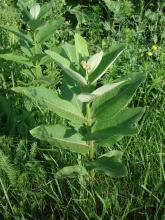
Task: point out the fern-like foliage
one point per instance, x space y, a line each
7 168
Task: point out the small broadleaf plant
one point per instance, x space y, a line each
97 116
32 39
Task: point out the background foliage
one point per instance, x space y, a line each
28 188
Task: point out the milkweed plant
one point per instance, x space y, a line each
32 38
95 116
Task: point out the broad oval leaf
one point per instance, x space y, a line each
117 99
109 164
58 58
62 137
71 172
16 58
47 30
50 100
34 11
81 47
70 52
89 97
94 61
107 88
120 125
107 60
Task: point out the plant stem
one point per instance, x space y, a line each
91 144
35 50
89 124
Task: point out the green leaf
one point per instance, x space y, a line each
109 164
107 88
94 61
122 124
34 11
62 137
107 60
60 60
50 100
115 100
81 48
109 142
45 9
45 59
47 30
88 97
18 33
16 58
65 65
28 73
26 51
71 172
68 94
35 24
23 7
70 52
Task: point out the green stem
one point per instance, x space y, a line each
35 50
91 144
89 124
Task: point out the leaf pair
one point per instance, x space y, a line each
109 164
110 115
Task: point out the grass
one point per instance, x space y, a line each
28 189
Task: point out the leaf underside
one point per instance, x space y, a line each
107 60
61 136
50 100
109 164
120 125
71 172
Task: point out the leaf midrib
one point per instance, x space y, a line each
66 141
63 109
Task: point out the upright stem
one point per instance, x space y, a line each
35 50
89 124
